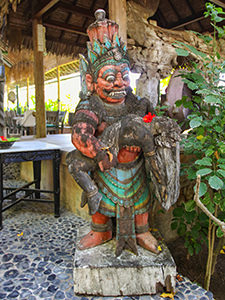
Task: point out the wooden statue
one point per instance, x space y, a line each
120 146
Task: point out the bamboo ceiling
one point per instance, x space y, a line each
66 22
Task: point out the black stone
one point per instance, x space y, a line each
6 266
59 295
19 257
47 272
51 277
52 288
8 288
7 257
2 296
11 274
14 294
8 282
27 284
59 261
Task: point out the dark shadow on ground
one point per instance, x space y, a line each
193 267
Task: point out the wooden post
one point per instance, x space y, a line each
38 45
118 13
17 101
58 82
28 92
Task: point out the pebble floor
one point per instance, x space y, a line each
36 257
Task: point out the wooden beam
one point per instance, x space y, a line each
58 87
28 92
193 13
76 9
68 19
187 21
47 5
118 13
218 2
86 19
39 82
66 27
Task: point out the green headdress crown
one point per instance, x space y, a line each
105 47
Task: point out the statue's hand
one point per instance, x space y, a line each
109 160
133 148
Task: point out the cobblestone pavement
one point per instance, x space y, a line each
36 257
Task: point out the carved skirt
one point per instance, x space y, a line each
126 185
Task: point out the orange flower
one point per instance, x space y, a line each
148 118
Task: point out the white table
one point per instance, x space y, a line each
36 151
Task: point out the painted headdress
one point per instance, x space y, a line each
105 47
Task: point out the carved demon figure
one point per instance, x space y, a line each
120 147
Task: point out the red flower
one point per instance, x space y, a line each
148 118
3 138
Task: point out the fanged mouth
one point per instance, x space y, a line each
117 94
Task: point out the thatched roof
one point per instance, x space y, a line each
22 66
66 21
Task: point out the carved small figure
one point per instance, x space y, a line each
120 144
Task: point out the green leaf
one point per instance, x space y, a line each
222 166
189 216
221 172
197 248
204 172
192 86
190 250
196 122
206 199
195 51
212 99
209 152
178 212
202 189
181 52
174 225
182 229
191 174
190 205
218 129
210 207
217 198
215 182
219 232
206 161
222 148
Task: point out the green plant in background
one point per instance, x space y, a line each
205 144
51 105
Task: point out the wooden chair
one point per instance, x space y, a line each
52 122
71 117
62 115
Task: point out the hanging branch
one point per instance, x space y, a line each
204 209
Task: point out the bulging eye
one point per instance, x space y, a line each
110 78
126 77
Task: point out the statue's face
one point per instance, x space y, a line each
111 83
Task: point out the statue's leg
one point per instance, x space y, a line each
79 166
144 238
101 232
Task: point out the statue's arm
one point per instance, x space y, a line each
83 138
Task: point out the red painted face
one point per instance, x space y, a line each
112 82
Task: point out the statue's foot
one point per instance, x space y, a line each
147 241
93 239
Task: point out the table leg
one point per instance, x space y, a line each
1 191
37 177
56 183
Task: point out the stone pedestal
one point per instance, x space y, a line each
98 271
